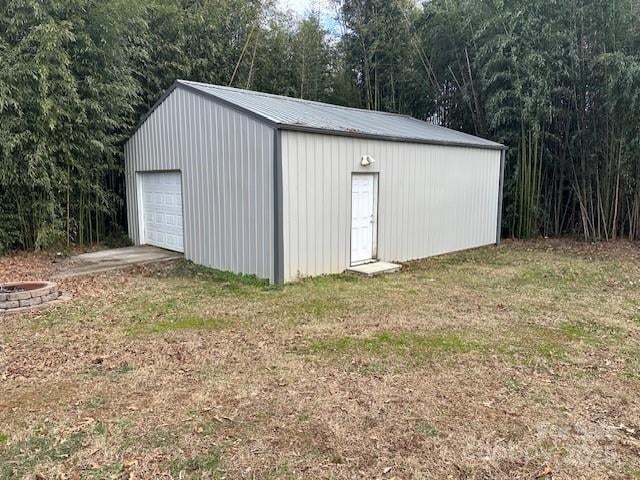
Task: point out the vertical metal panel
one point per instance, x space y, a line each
432 199
226 160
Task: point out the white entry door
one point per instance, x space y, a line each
161 214
363 217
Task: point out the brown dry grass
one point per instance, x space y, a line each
516 362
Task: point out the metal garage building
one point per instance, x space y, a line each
284 188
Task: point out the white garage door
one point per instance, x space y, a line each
162 210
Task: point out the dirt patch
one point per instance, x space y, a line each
26 266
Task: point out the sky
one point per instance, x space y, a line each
326 8
302 7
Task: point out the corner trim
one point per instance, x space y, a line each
278 240
500 196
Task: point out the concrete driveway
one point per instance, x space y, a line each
113 259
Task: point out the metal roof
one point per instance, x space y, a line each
304 115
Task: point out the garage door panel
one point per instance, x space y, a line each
162 210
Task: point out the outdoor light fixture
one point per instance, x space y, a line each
367 160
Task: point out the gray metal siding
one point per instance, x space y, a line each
226 161
431 199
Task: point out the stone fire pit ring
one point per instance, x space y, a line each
19 297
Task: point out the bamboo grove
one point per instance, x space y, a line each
557 81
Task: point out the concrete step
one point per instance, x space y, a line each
375 268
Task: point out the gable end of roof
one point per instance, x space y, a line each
185 86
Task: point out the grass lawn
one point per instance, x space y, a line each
521 361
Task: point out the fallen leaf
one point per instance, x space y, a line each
545 472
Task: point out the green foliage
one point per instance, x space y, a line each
66 92
117 238
557 81
9 231
312 60
50 235
374 46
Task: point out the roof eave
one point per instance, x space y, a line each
389 138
